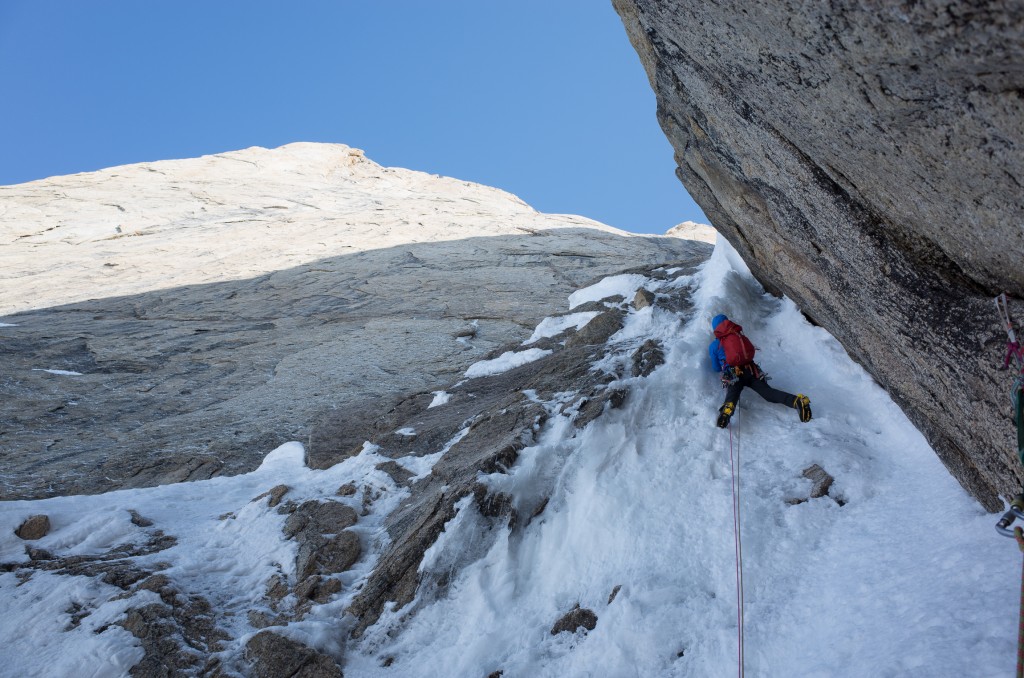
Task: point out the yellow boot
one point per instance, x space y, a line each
725 413
803 406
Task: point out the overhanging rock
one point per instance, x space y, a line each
866 160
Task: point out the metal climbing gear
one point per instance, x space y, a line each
1016 512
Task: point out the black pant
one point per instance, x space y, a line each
751 375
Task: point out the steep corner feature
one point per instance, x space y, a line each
866 160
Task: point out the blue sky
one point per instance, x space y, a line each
545 99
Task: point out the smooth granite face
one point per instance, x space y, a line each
866 159
215 308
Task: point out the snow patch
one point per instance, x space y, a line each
440 398
550 327
624 285
505 362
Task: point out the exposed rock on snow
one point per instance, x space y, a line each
598 330
821 479
317 589
325 546
217 307
320 517
647 358
178 633
34 527
866 159
643 299
575 619
398 473
320 555
822 484
139 520
276 493
273 656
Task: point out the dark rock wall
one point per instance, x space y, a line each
865 158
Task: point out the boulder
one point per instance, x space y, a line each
598 330
139 520
822 484
575 619
821 479
643 299
34 527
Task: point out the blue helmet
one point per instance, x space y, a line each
717 320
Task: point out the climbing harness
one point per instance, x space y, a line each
1015 354
734 467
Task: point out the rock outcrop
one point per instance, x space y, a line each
272 655
205 311
866 159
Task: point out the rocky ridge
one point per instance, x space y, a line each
865 159
205 311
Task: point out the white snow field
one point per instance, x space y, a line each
908 578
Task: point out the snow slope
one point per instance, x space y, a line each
908 578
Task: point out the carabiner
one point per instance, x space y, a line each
1016 512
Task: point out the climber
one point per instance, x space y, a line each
732 354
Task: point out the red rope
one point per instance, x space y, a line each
738 543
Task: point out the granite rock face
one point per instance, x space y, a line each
866 159
176 320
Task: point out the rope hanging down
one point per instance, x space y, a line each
1019 535
1015 354
734 467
